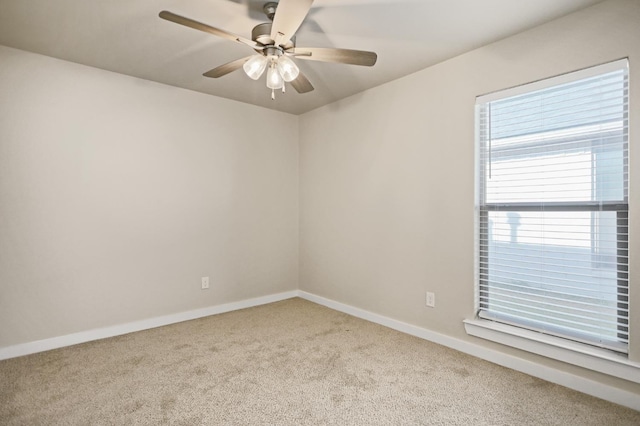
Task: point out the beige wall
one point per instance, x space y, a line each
118 194
387 176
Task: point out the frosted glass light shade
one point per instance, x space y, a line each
287 68
274 79
255 66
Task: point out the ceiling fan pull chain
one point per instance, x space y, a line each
273 95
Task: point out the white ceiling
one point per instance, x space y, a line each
128 37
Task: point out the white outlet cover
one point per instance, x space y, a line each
431 299
205 283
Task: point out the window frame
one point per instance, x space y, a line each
481 326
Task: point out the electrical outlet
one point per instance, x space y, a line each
205 283
431 299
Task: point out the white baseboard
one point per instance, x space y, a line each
117 330
580 384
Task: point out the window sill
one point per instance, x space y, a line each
585 356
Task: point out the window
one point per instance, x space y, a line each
552 206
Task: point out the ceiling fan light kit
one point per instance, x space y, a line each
281 68
274 44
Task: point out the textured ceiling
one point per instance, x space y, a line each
128 37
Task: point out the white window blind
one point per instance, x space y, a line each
552 214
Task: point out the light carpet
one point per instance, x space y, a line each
287 363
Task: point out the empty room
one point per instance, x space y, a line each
361 212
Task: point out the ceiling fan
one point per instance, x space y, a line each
275 45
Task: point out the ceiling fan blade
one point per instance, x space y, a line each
226 68
341 56
302 84
170 16
289 17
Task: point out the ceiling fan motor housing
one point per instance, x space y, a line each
261 33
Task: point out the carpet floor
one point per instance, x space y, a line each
287 363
